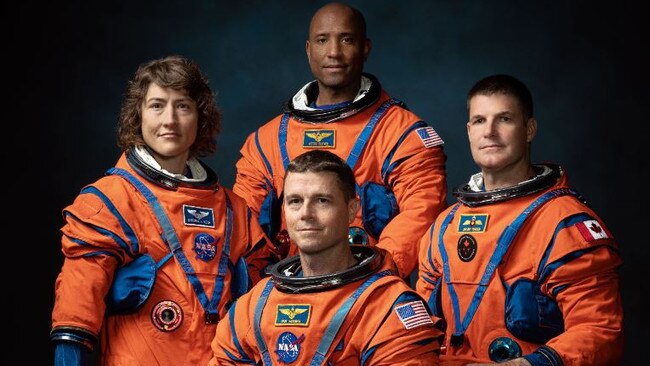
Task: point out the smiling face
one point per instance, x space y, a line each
337 49
499 134
169 126
316 211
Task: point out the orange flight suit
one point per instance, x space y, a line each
382 322
109 224
410 156
562 245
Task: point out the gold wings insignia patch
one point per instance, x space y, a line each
318 136
291 313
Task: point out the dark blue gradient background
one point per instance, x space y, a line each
585 63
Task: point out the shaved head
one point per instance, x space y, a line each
338 10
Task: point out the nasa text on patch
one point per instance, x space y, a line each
288 347
205 246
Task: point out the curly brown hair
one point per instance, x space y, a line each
178 73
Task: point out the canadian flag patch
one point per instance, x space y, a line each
592 230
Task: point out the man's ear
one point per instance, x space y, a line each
531 129
307 51
366 49
353 207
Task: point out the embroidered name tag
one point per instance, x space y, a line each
198 216
319 139
475 223
293 315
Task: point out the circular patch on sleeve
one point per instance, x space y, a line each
288 347
466 248
504 349
167 315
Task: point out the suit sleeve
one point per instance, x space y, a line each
230 346
406 337
420 187
585 283
251 180
261 254
428 272
95 240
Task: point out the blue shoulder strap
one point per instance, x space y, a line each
266 161
257 328
358 147
282 139
339 317
209 305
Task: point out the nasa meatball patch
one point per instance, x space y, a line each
205 247
288 347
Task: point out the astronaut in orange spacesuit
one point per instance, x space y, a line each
523 271
334 303
156 249
398 160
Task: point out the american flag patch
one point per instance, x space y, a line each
413 314
429 137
